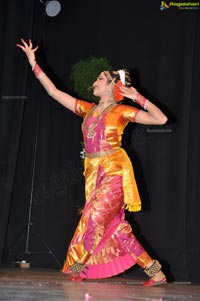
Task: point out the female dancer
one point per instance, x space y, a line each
103 244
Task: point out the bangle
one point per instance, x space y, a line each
141 100
37 70
41 74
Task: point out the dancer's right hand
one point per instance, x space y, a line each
29 50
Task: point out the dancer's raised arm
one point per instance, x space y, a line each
63 98
152 114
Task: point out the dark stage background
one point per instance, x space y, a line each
41 181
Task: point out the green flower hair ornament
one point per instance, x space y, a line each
84 74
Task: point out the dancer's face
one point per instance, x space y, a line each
102 85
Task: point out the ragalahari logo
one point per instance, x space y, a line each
164 5
179 5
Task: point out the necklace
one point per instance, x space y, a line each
109 101
91 128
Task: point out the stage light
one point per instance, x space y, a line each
52 7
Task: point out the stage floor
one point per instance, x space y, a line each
25 284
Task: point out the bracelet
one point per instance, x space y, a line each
41 74
37 70
141 100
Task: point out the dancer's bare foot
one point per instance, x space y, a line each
75 277
158 279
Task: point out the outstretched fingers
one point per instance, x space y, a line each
24 47
27 46
34 49
31 45
20 46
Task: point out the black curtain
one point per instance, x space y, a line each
14 83
41 180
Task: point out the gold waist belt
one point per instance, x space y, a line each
101 154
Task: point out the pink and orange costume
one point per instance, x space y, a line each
103 240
